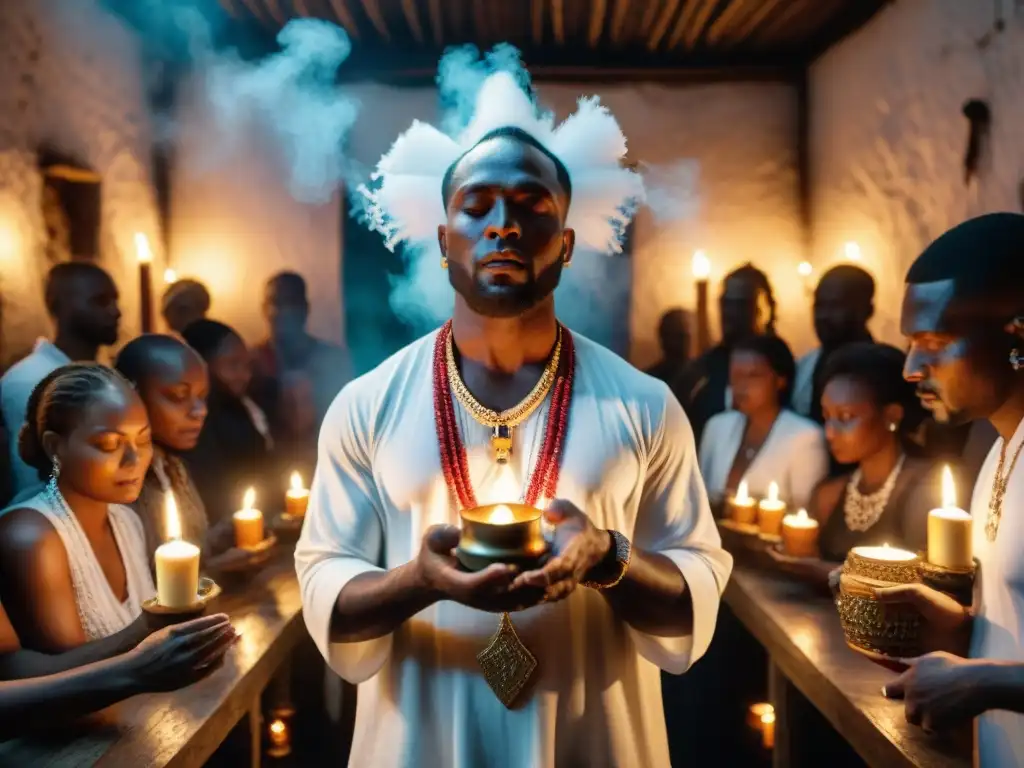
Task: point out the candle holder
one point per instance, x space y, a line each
260 554
208 590
287 527
877 631
512 534
958 583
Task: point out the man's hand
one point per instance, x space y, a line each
578 546
940 611
488 590
937 691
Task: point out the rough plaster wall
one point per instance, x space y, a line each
888 136
69 77
233 225
743 136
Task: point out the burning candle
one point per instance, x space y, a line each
949 530
771 511
701 266
177 563
768 730
248 522
297 498
885 553
144 254
280 743
800 535
501 515
742 508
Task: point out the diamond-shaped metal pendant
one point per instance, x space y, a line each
507 664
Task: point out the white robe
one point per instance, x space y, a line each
998 631
794 455
595 700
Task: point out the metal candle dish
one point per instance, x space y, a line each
486 540
958 583
891 631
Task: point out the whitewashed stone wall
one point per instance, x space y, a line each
889 138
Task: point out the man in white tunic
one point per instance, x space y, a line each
964 313
504 404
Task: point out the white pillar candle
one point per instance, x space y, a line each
177 563
885 553
248 522
771 511
297 498
949 530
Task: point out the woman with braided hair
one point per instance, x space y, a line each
73 563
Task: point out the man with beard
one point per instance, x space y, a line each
964 312
844 302
82 300
505 405
747 308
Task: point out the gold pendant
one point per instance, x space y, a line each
507 664
501 443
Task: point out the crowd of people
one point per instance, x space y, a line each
92 451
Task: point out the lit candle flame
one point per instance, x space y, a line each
852 251
768 717
804 269
142 250
701 265
773 492
296 482
502 515
170 276
742 493
277 727
948 488
172 522
802 515
249 500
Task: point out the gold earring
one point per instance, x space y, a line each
444 263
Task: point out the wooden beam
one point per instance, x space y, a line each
480 20
558 20
537 20
436 21
597 13
727 18
697 29
790 10
412 18
681 23
661 27
650 14
619 12
764 9
274 9
372 9
345 17
255 9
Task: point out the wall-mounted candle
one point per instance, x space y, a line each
770 512
949 530
177 563
248 522
851 251
144 255
170 276
297 498
768 730
800 535
742 508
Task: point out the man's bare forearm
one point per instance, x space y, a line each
653 597
375 604
23 663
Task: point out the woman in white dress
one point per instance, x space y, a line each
762 441
73 561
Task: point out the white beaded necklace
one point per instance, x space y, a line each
863 510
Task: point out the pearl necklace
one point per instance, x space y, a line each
863 510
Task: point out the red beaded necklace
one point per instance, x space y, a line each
454 463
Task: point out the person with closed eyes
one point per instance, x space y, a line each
869 411
73 561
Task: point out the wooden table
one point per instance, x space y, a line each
182 729
809 658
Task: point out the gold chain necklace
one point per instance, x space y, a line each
999 483
502 424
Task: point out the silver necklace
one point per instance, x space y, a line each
863 510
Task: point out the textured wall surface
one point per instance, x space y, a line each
69 78
889 138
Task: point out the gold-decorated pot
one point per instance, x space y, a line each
512 534
893 630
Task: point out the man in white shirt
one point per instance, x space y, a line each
572 674
963 310
82 300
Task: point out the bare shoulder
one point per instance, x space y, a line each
26 535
